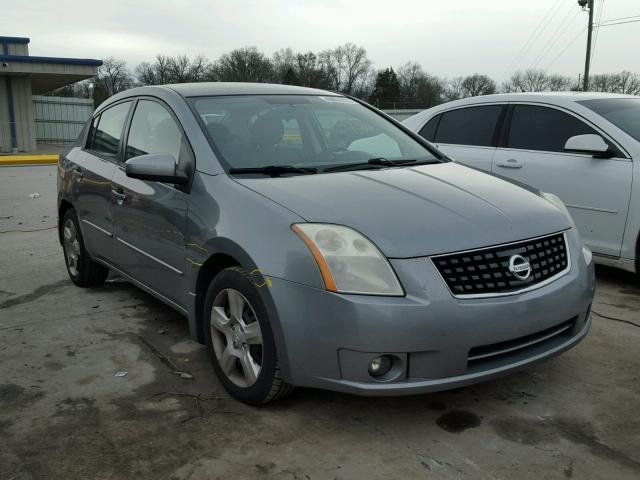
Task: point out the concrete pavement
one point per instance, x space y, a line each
65 414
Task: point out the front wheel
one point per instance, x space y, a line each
82 270
240 339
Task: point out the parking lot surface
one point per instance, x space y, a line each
89 389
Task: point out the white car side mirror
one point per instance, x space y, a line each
590 144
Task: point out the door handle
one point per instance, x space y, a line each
511 163
77 172
118 195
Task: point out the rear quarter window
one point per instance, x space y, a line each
428 132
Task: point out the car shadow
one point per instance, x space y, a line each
627 281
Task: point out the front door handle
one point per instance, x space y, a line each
511 163
119 196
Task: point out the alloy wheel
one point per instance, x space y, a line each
236 337
71 246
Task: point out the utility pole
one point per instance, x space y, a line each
587 61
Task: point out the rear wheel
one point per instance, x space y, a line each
240 340
82 270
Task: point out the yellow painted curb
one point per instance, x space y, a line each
28 159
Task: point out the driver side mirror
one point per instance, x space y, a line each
156 167
590 144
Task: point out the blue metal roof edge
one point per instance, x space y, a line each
52 60
22 40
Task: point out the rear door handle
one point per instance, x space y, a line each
118 195
511 163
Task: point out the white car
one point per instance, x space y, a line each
580 146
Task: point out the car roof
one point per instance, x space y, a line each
202 89
551 97
561 99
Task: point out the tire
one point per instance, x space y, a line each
241 343
82 270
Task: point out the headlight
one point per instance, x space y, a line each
348 261
586 253
558 203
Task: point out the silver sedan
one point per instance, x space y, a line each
311 240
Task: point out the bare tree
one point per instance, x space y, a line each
418 88
628 83
604 82
113 76
346 66
284 66
356 65
430 91
199 69
311 71
180 69
345 69
409 75
331 64
454 89
531 80
156 73
365 84
558 83
477 84
623 82
244 65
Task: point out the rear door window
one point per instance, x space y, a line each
543 128
469 126
108 132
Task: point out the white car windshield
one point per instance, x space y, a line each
304 131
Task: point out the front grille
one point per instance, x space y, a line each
485 271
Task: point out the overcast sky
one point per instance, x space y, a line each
448 37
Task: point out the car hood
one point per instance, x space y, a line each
418 211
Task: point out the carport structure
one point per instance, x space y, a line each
21 76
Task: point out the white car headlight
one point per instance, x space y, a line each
586 253
348 261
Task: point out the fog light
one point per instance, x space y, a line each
380 366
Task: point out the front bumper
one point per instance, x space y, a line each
327 340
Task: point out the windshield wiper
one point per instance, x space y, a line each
273 170
378 162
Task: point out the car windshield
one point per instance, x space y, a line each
624 113
304 131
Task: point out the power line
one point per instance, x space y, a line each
617 23
566 48
559 32
552 38
533 38
621 18
595 40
